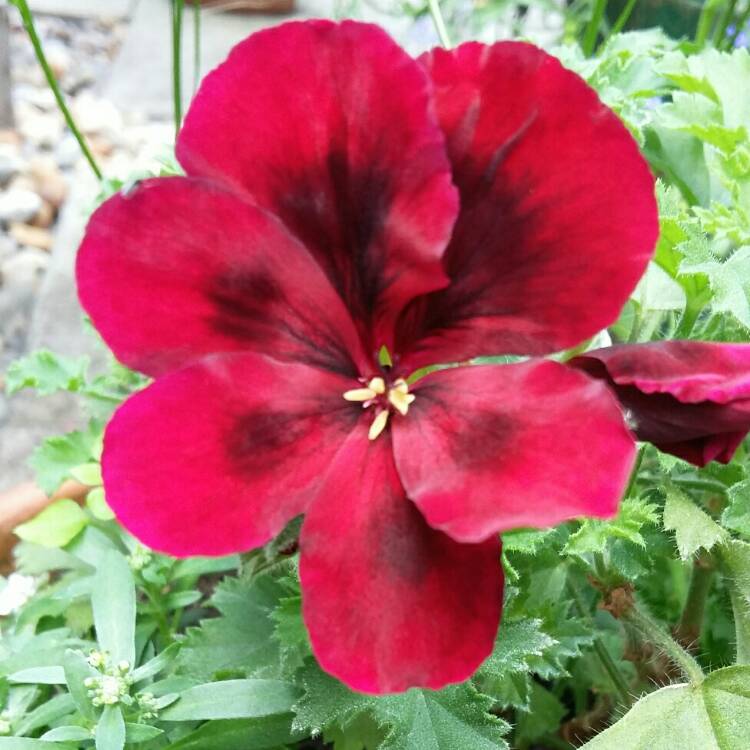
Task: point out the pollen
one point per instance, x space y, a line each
386 397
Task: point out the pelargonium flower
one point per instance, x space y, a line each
341 197
689 398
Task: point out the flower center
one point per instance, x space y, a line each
384 397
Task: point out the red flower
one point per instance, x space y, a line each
689 398
319 221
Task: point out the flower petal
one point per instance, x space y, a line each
217 457
179 268
485 449
389 602
558 217
330 127
689 398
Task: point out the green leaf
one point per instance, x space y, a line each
56 456
70 732
113 602
527 541
46 713
135 733
694 528
39 675
456 717
159 663
240 642
77 669
89 473
593 535
544 716
291 633
20 743
735 561
97 504
232 699
110 731
516 643
736 516
55 526
714 715
240 734
47 373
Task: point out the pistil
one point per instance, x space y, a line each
385 397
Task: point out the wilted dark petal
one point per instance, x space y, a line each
689 398
180 268
217 457
330 127
558 217
490 448
389 602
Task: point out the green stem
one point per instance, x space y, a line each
592 29
656 634
689 628
622 19
28 24
177 8
636 469
439 21
742 21
702 485
721 27
196 45
689 318
706 21
617 678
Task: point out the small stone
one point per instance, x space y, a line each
13 137
67 152
18 204
45 217
10 162
58 57
37 237
24 270
8 247
49 181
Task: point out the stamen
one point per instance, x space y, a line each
360 394
378 425
400 400
377 385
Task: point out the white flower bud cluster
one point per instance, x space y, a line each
112 685
5 727
139 558
148 704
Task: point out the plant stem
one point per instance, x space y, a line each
177 9
742 21
622 19
689 628
28 24
439 21
706 20
196 45
608 663
721 27
689 319
654 632
636 469
593 26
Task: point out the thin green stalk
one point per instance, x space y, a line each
617 678
622 19
636 469
706 20
691 621
592 29
655 634
439 21
721 27
689 318
742 21
28 24
196 45
177 10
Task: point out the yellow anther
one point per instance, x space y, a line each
401 386
360 394
378 425
377 385
400 400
